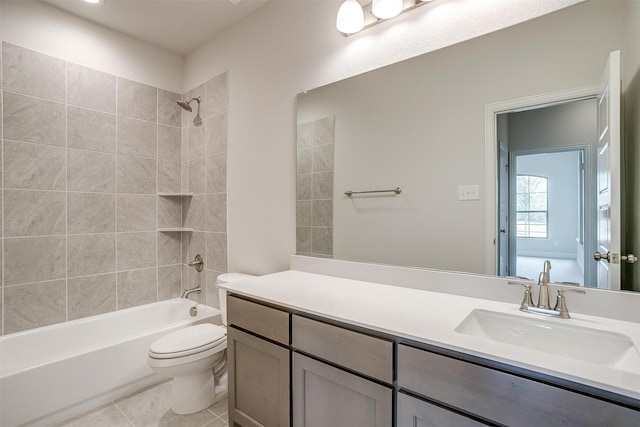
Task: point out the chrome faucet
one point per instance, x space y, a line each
197 263
187 292
543 307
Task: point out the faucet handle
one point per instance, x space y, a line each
561 303
527 300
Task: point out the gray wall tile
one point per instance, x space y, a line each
31 73
303 213
305 134
322 213
91 213
216 258
91 295
322 185
169 248
216 208
323 158
169 212
322 240
91 130
324 131
194 211
30 119
136 212
136 175
34 305
217 173
216 96
216 134
303 240
34 166
34 259
195 244
91 171
137 137
137 287
34 213
136 250
304 161
169 143
212 296
195 140
196 175
137 100
168 176
91 88
169 112
91 254
169 281
303 187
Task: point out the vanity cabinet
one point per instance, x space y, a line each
324 392
414 412
489 394
258 359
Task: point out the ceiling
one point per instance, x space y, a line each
179 26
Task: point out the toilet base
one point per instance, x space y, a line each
192 393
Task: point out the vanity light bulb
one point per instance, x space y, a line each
93 1
385 9
350 17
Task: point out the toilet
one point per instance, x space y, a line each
196 359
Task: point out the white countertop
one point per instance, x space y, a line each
432 317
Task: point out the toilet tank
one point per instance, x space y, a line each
228 278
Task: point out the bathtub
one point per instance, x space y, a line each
51 373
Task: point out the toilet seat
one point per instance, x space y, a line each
188 341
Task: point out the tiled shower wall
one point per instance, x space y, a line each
84 154
204 173
314 187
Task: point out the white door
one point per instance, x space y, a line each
503 214
608 176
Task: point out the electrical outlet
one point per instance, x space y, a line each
468 192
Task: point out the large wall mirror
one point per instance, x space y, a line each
456 169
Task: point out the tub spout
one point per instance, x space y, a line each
187 292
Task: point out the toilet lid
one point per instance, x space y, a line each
190 340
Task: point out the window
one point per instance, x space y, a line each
531 207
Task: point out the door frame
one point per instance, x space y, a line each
491 155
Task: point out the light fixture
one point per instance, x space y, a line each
93 1
350 17
385 9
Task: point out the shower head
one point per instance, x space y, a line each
185 105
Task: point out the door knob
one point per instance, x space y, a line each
503 230
598 256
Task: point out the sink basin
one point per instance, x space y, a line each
575 342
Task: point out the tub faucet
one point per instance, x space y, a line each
543 283
187 292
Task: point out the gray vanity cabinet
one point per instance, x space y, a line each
501 397
414 412
259 368
325 394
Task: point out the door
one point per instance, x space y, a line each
503 213
608 176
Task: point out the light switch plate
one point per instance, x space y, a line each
468 192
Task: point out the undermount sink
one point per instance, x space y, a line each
575 342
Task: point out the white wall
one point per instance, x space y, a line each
46 29
288 47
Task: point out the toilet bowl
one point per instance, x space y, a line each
195 358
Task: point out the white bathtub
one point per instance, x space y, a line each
50 373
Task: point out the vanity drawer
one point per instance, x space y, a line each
356 351
501 397
266 321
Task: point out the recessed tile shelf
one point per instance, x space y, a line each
175 229
175 194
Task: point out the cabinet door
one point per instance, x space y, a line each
258 381
327 396
414 412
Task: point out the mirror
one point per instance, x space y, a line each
420 126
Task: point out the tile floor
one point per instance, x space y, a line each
147 408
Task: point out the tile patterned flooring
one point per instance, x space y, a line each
149 408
